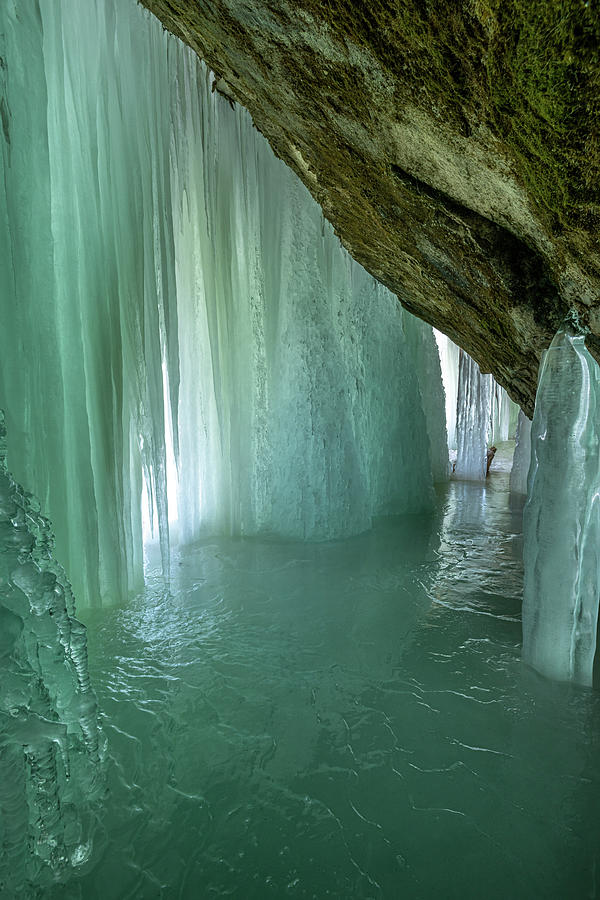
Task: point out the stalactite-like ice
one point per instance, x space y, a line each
87 274
304 377
562 515
50 745
501 413
473 419
522 456
449 360
147 226
466 402
313 393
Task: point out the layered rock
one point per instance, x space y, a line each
453 146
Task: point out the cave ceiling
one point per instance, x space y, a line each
454 146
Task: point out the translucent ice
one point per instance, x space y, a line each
501 414
467 405
309 400
147 227
473 419
522 455
449 357
562 515
50 747
87 275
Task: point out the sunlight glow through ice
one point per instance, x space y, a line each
149 227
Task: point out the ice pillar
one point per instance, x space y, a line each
500 414
87 295
562 515
449 363
522 455
473 419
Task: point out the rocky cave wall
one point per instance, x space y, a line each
454 146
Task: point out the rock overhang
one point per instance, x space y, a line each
455 148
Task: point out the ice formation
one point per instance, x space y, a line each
50 745
87 275
314 393
473 419
479 412
522 455
501 414
449 358
148 227
562 515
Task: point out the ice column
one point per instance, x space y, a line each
562 515
50 746
500 414
473 419
522 455
449 362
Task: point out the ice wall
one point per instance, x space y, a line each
562 515
473 419
87 274
449 354
466 400
522 455
306 391
51 751
146 226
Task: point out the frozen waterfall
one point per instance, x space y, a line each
316 398
168 288
449 356
478 410
562 515
87 275
166 275
473 419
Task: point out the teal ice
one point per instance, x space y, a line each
562 515
295 667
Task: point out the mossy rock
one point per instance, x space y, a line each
455 147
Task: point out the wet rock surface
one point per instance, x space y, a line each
454 147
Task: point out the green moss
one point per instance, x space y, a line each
528 69
543 76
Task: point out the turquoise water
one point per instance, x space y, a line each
346 720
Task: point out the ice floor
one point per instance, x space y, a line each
345 720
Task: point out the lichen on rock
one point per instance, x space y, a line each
455 147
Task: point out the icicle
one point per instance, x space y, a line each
449 360
88 296
472 419
149 228
522 455
562 515
501 414
308 396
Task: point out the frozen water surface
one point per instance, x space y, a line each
348 719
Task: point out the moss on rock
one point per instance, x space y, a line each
453 144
